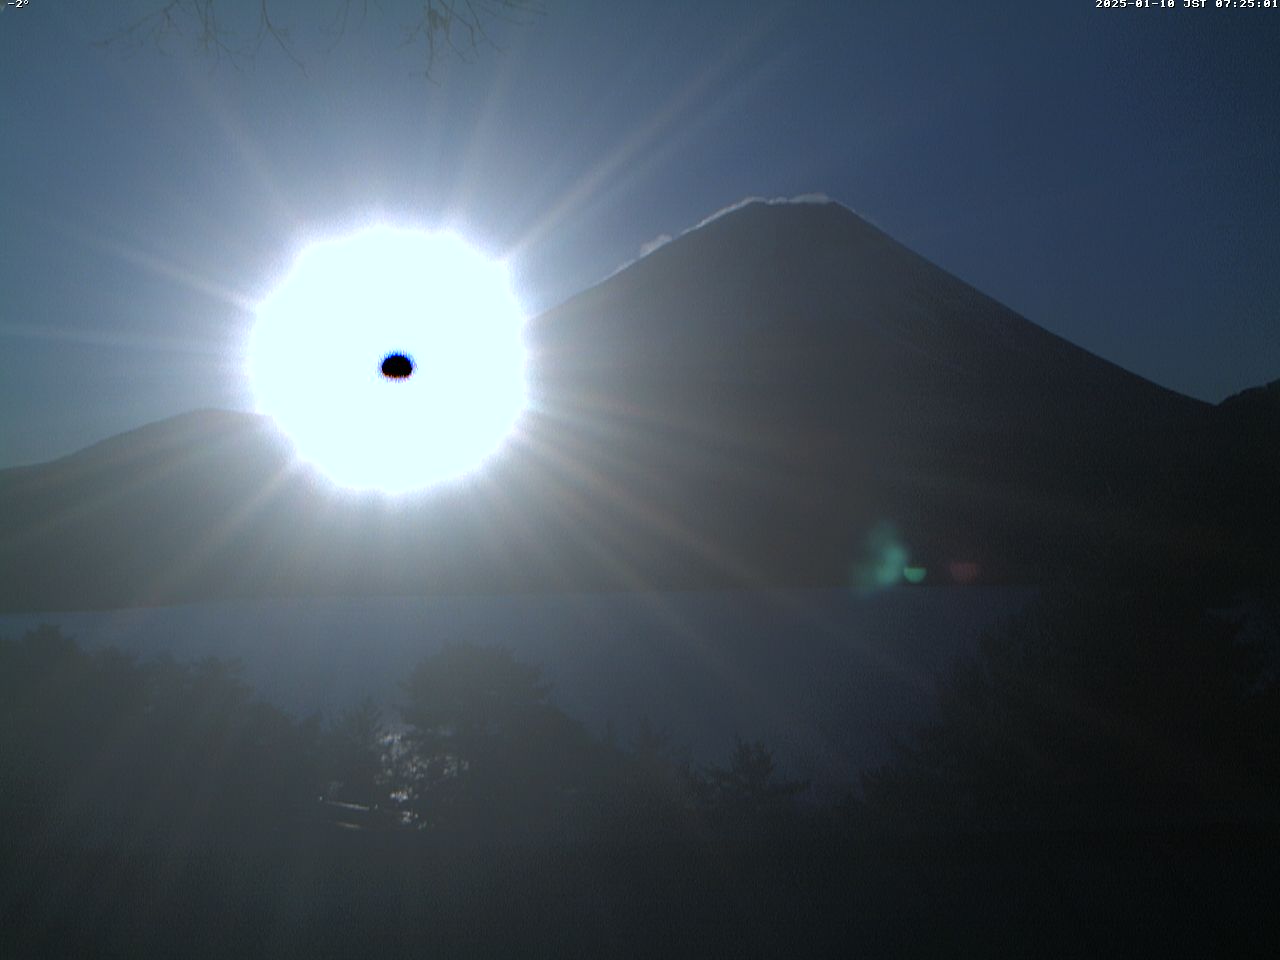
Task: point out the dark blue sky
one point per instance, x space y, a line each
1114 175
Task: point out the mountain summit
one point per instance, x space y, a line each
765 401
833 381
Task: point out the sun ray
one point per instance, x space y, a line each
142 475
97 338
158 265
237 519
698 98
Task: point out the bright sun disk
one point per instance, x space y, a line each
322 358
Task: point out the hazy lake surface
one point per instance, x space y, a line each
825 678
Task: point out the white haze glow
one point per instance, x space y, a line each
315 358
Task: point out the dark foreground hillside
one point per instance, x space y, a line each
1098 779
1183 893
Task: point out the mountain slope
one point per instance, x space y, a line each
744 407
871 383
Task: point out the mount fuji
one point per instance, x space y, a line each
760 403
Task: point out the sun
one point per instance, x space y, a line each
393 358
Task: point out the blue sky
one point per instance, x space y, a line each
1114 175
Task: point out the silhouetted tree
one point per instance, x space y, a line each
100 747
354 756
747 789
1102 705
486 749
648 792
359 762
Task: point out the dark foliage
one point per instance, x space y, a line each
747 791
157 809
109 751
1126 705
486 751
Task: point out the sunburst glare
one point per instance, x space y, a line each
392 358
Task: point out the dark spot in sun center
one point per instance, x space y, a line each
396 366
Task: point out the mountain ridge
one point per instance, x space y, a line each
744 407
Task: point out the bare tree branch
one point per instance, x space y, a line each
265 27
457 27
